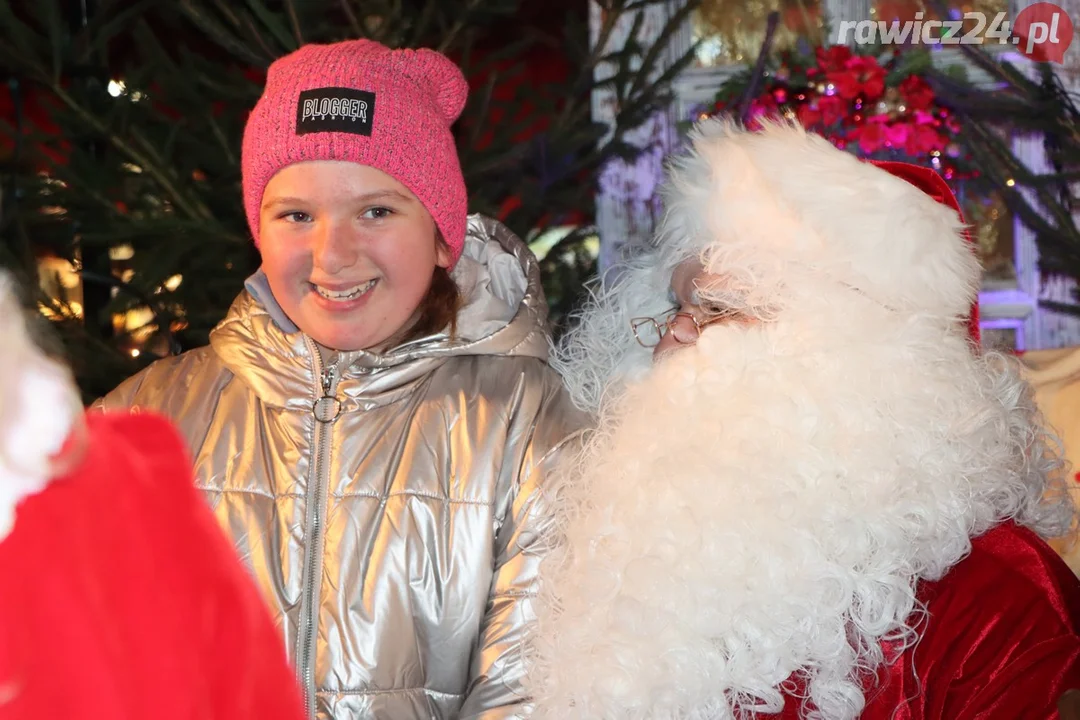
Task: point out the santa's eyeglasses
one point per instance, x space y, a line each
683 326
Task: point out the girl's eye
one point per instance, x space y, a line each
296 217
377 213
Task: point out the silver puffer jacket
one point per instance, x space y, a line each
379 500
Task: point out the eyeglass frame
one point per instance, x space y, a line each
669 326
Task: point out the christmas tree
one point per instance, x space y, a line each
1024 103
121 208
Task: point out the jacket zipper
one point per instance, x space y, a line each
325 408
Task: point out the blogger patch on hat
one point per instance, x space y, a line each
335 110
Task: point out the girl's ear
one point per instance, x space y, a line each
442 251
442 256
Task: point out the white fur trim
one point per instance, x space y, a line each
38 409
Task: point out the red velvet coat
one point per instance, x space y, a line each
121 599
1002 639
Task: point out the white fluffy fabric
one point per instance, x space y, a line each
38 409
755 514
768 208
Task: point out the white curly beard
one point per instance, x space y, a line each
763 505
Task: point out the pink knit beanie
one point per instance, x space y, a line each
362 102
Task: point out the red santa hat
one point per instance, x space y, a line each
122 599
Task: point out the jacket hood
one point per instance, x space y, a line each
504 313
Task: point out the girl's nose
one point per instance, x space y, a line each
335 249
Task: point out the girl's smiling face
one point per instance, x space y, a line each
349 252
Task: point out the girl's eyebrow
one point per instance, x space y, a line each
365 198
281 201
382 195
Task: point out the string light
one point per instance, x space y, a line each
120 253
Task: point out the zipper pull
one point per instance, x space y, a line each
328 380
327 408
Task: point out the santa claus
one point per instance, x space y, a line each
809 493
120 598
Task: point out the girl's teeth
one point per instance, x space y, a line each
349 294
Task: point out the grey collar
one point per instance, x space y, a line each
259 288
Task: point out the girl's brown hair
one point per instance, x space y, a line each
440 305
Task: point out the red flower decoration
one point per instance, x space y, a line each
924 139
871 136
924 118
861 76
898 134
846 113
918 95
833 109
833 58
808 115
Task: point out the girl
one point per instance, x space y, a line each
373 417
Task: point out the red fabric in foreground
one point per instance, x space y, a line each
1001 640
121 599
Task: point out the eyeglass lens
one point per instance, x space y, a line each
683 328
647 332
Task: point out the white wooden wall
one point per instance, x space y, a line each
627 206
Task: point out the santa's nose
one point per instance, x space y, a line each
680 331
668 344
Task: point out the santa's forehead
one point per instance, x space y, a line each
688 277
662 278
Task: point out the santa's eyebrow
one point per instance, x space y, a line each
695 296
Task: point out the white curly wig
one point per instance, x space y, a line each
761 506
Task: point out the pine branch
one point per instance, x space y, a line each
452 36
661 44
1042 201
147 159
742 110
294 21
220 35
354 23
